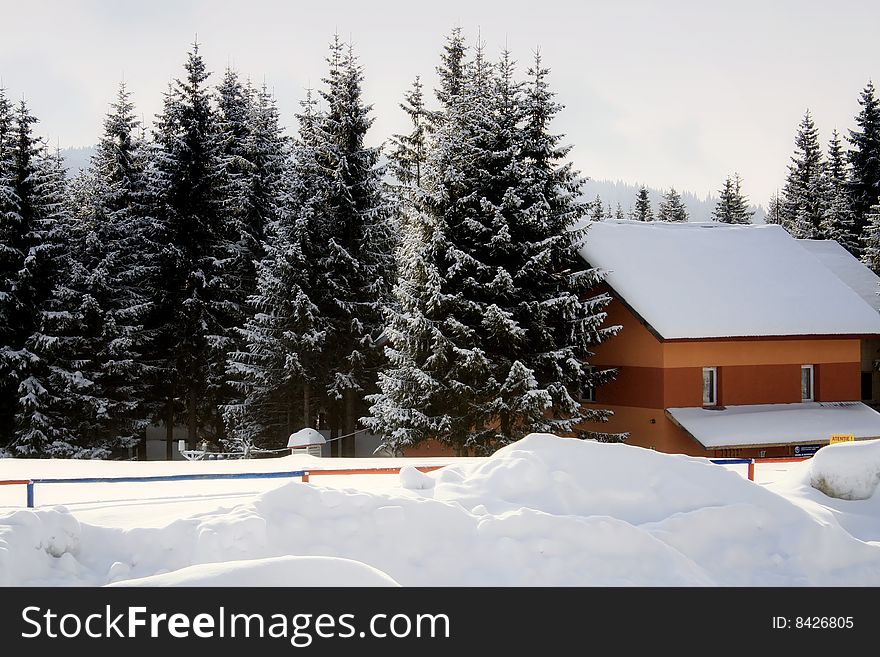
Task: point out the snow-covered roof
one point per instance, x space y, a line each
713 280
777 424
305 438
847 268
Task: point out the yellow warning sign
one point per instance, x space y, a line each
841 438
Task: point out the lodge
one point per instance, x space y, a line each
736 340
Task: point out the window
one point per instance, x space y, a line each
588 391
710 386
867 386
806 383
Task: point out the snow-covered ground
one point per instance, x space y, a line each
544 511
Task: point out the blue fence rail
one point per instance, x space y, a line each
31 483
304 474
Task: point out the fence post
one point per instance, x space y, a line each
751 469
30 494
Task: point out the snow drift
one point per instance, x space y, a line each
847 471
544 511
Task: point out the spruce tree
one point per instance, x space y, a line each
11 258
642 210
672 208
493 323
871 239
191 302
92 328
358 243
864 158
42 422
775 214
838 222
732 206
30 241
597 212
804 193
618 214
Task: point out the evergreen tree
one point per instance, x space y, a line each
672 208
451 73
618 214
357 243
732 206
407 158
871 239
32 201
191 295
804 192
838 222
11 257
40 424
492 327
642 210
597 212
864 158
92 328
775 214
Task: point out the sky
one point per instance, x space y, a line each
677 93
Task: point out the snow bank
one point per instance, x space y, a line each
847 471
544 511
277 571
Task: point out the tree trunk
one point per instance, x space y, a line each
307 398
349 428
193 419
169 427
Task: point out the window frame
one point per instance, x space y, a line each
812 370
587 393
714 400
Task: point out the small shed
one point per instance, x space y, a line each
306 441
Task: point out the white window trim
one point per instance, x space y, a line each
588 393
714 371
812 396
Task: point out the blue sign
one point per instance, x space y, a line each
806 450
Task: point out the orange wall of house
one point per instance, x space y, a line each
655 374
633 345
760 351
838 381
661 434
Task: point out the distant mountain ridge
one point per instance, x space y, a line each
610 191
618 191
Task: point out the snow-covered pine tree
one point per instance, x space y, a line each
284 336
804 194
732 206
451 73
774 211
407 158
10 264
597 211
642 210
618 214
864 157
481 345
42 418
359 242
672 208
29 271
190 295
871 239
91 331
253 163
838 222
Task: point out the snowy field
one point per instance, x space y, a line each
541 512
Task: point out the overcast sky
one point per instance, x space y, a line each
662 93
